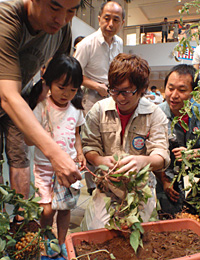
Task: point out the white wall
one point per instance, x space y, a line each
80 28
159 56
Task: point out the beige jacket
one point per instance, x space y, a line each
145 134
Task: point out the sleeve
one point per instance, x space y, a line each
157 143
196 56
82 53
91 136
38 112
81 119
10 35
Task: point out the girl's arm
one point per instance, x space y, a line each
78 146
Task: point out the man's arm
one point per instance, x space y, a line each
101 88
21 114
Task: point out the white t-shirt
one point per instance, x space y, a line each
95 55
63 122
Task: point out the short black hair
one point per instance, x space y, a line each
153 87
184 69
78 39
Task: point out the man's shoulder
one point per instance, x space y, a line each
165 108
104 105
89 38
12 8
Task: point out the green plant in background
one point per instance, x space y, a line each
190 164
185 41
20 243
129 192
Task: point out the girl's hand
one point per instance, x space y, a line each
80 158
177 152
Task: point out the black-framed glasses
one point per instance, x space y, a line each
125 93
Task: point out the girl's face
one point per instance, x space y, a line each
60 94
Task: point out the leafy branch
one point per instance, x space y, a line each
185 41
127 193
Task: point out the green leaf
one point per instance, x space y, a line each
196 111
184 125
2 245
139 227
55 247
3 191
135 240
145 169
11 242
36 199
147 191
115 156
131 219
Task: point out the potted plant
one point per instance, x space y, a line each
125 219
23 240
104 235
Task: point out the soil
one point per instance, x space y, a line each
157 246
32 226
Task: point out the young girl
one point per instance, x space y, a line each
61 115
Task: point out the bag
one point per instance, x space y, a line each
64 198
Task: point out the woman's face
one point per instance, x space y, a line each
60 94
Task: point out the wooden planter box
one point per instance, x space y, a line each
101 235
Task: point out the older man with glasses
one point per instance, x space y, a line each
125 123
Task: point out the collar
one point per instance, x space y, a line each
101 39
165 107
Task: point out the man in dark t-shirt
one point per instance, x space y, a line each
31 32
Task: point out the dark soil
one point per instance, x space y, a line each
32 226
157 246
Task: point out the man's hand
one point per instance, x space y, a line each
102 90
170 192
177 152
131 163
95 159
65 168
108 161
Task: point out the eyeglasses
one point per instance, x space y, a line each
125 93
